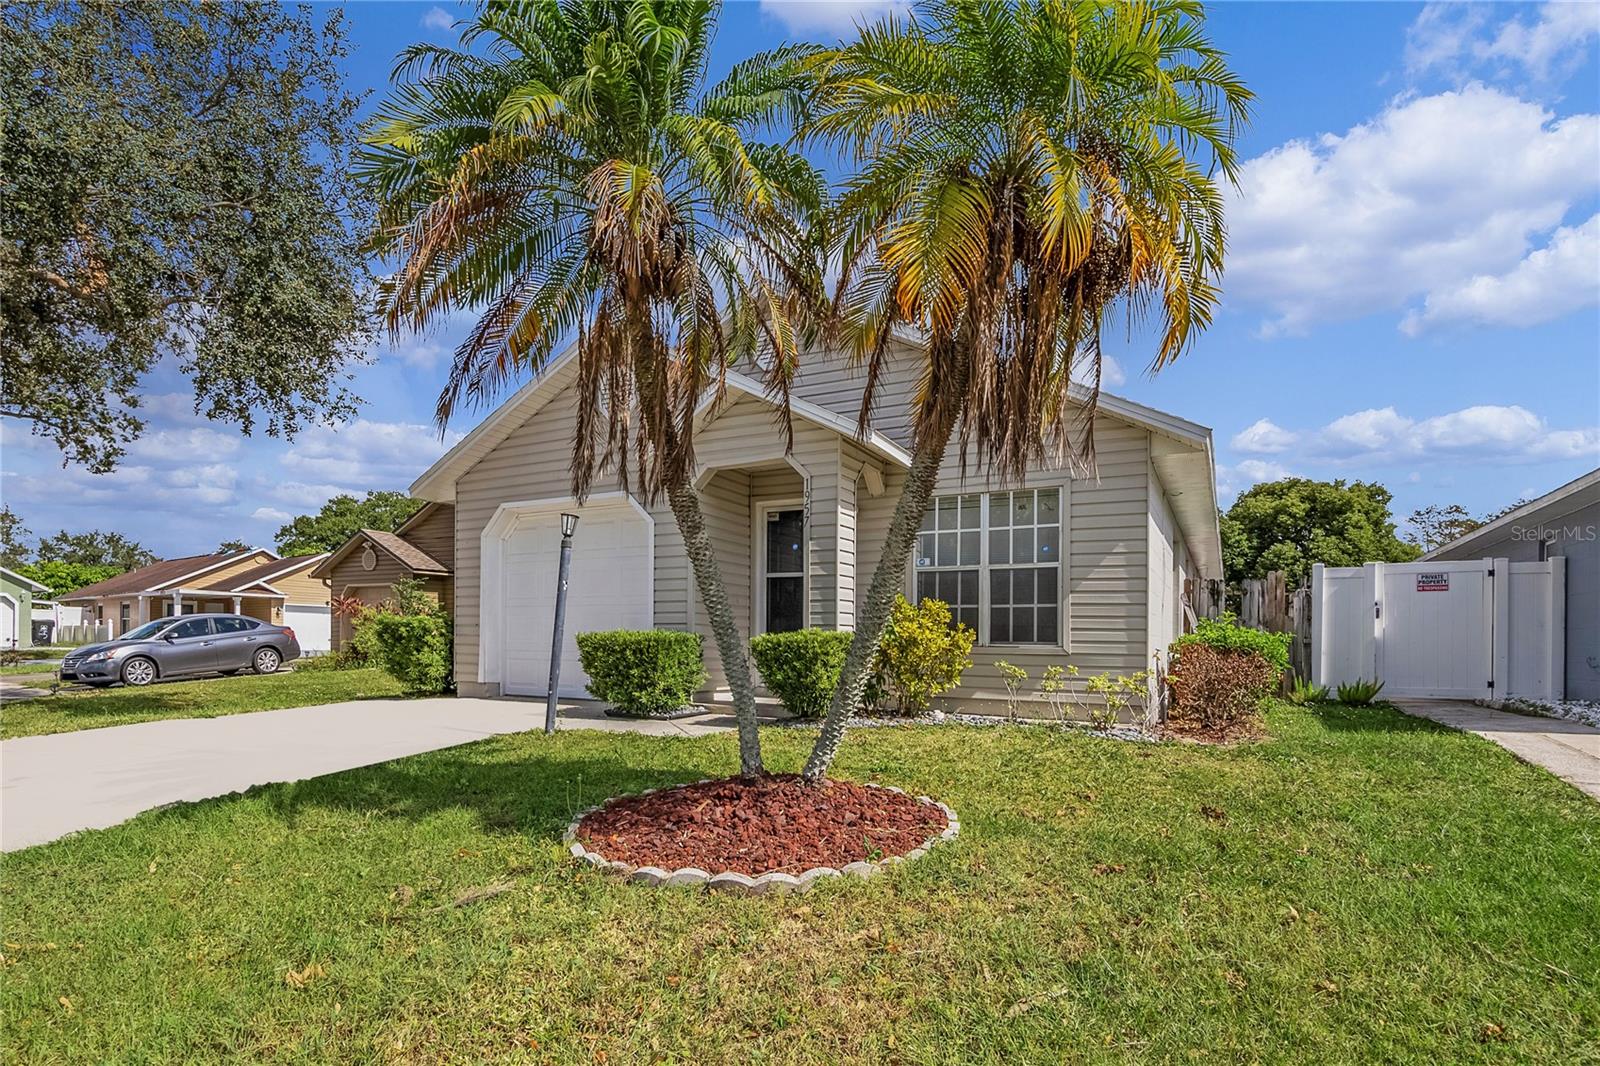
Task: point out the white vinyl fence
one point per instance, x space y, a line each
1480 629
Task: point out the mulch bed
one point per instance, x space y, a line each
774 823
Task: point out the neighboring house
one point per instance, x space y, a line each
366 566
1090 571
254 582
16 608
1565 522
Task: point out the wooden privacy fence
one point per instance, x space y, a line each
1268 603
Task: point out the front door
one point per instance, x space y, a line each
783 574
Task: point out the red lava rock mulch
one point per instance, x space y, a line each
775 823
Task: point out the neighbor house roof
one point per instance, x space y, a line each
166 574
268 571
1487 532
19 579
401 550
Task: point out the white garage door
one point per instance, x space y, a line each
609 588
313 626
8 624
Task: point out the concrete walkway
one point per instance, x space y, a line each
1569 750
54 785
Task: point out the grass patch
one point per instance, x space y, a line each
209 698
28 669
1362 886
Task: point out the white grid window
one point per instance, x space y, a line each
950 554
996 559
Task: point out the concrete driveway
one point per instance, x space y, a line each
54 785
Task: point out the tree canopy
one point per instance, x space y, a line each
94 548
61 578
342 517
177 186
1291 524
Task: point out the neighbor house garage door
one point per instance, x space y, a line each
609 588
313 626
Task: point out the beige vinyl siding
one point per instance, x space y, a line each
1162 578
831 380
300 588
218 578
434 533
725 502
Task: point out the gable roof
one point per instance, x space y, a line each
268 571
395 546
1489 530
1186 461
162 574
19 579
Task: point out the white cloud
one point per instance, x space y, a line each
1111 373
437 18
270 514
184 445
302 495
1482 433
364 454
1461 40
1232 480
829 16
1431 193
418 353
1562 277
1262 437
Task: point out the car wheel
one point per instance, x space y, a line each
138 672
267 661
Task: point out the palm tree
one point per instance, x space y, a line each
1025 168
569 171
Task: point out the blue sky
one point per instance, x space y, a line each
1412 297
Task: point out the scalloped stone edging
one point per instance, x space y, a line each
744 884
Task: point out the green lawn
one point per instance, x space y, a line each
210 698
1361 887
43 669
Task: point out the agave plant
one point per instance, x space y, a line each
569 171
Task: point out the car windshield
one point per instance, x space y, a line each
148 630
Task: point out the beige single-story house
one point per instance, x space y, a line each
366 566
1095 571
1563 522
255 582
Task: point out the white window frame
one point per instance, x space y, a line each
1063 564
758 551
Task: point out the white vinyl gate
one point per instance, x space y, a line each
1477 629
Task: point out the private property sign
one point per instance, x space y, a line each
1436 582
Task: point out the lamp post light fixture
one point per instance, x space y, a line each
569 526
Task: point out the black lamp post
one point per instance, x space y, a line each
569 525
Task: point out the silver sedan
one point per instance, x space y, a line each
182 647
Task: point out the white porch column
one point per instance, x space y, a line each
238 602
177 602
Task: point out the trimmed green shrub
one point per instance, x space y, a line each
1224 634
644 672
802 667
921 654
414 649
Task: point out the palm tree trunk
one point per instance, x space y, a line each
887 581
685 506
